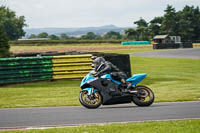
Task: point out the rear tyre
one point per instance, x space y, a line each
90 102
145 96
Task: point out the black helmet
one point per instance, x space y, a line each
98 62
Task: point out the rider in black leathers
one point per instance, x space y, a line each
105 67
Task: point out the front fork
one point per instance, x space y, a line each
90 91
91 94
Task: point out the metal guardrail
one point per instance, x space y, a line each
28 69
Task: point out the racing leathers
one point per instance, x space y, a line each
105 67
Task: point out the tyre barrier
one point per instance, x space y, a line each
54 65
28 69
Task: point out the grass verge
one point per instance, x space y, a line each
186 126
170 79
40 94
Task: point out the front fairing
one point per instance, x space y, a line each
90 81
87 78
89 90
108 76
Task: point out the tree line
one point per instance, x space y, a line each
184 23
111 35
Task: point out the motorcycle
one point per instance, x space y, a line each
104 90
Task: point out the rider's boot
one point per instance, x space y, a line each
127 85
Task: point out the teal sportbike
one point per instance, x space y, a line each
104 90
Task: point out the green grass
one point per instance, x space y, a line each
56 93
170 79
187 126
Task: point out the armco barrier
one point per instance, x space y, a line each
27 69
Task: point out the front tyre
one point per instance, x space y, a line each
90 101
144 97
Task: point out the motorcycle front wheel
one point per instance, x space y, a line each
90 101
144 97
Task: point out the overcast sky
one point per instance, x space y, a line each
89 13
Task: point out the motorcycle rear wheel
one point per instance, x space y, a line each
90 102
145 96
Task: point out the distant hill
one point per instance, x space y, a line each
76 31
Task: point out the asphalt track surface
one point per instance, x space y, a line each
190 53
20 118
